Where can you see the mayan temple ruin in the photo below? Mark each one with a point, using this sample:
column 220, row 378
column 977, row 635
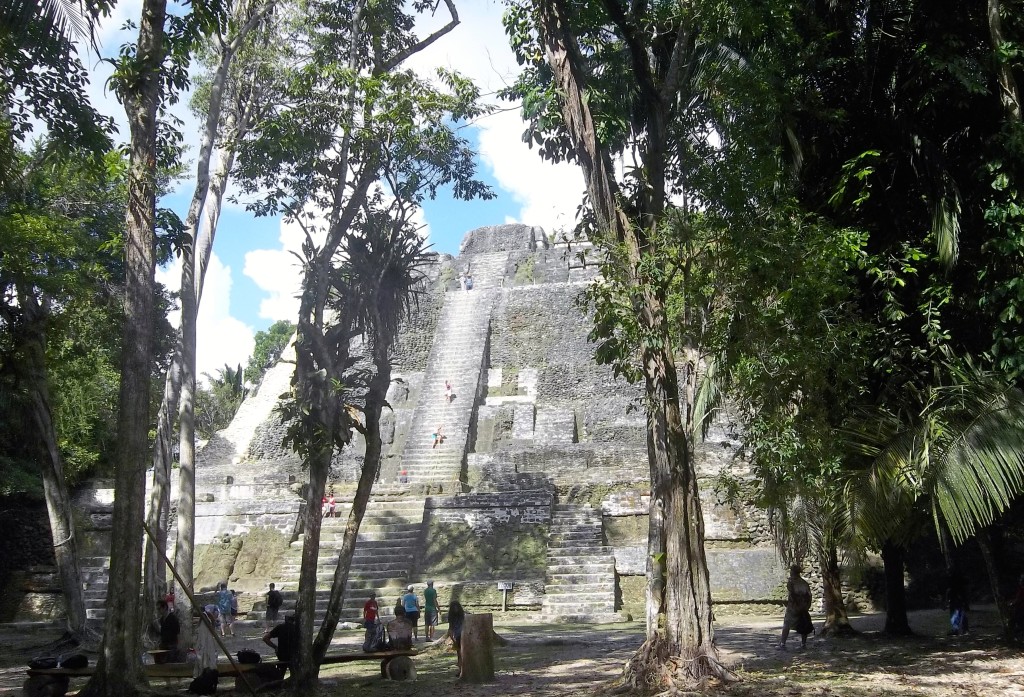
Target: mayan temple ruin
column 536, row 501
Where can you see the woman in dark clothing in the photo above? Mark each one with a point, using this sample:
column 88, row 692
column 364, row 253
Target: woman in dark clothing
column 456, row 616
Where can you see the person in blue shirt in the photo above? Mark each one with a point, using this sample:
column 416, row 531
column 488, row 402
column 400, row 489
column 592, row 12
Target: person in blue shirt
column 224, row 604
column 412, row 611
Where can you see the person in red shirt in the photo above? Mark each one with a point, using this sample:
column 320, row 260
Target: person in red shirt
column 370, row 610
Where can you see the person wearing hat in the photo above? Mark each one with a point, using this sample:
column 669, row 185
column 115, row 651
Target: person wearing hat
column 429, row 610
column 411, row 604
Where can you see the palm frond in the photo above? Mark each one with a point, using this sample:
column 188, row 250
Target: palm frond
column 56, row 20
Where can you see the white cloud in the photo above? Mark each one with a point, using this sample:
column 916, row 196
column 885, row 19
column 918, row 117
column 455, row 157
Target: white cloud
column 221, row 339
column 278, row 273
column 548, row 194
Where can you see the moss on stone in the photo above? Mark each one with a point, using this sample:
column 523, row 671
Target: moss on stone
column 457, row 551
column 524, row 271
column 246, row 561
column 631, row 595
column 593, row 494
column 625, row 531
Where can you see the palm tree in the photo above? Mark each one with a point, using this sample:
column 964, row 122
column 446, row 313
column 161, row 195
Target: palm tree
column 52, row 21
column 954, row 452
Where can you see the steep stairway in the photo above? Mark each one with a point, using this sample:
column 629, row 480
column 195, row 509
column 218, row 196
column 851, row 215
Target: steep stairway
column 386, row 546
column 581, row 570
column 95, row 579
column 219, row 457
column 458, row 355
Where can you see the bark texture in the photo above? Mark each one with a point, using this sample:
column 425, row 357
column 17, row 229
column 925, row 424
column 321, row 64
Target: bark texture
column 1009, row 94
column 477, row 650
column 680, row 639
column 51, row 465
column 119, row 669
column 836, row 619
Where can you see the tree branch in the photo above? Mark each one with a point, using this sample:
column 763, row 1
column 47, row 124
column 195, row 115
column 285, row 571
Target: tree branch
column 399, row 57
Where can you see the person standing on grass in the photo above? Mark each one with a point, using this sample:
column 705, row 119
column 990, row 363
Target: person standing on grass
column 798, row 608
column 429, row 610
column 274, row 602
column 456, row 617
column 224, row 603
column 370, row 611
column 411, row 605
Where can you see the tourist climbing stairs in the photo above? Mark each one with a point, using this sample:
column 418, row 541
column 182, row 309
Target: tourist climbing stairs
column 458, row 355
column 580, row 582
column 388, row 541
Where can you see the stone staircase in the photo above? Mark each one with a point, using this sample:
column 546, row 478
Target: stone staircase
column 219, row 457
column 387, row 544
column 95, row 579
column 580, row 583
column 458, row 355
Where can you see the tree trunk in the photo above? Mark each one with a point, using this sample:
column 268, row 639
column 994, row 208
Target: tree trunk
column 158, row 511
column 233, row 126
column 837, row 622
column 678, row 590
column 1008, row 92
column 477, row 652
column 118, row 671
column 307, row 668
column 375, row 399
column 895, row 591
column 992, row 568
column 184, row 545
column 55, row 490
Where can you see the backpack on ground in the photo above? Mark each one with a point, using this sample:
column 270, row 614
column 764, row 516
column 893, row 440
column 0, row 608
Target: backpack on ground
column 206, row 683
column 274, row 599
column 376, row 639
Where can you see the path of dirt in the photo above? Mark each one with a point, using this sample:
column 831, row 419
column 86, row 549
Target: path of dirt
column 574, row 660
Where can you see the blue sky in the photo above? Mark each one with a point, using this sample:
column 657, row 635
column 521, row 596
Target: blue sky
column 252, row 278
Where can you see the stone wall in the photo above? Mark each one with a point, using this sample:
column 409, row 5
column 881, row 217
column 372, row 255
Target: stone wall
column 417, row 332
column 503, row 238
column 239, row 515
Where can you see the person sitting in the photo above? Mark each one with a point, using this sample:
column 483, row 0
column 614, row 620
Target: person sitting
column 400, row 630
column 287, row 647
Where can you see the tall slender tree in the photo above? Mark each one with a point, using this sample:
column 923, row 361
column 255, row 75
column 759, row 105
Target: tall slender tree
column 654, row 54
column 227, row 108
column 353, row 113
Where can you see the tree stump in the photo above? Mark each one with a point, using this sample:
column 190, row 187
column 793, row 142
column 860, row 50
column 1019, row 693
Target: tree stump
column 45, row 686
column 477, row 653
column 400, row 668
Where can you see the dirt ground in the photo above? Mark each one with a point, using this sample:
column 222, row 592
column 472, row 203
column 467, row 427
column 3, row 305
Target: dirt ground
column 575, row 660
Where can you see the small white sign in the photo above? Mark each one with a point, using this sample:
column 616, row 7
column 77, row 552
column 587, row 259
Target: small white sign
column 504, row 585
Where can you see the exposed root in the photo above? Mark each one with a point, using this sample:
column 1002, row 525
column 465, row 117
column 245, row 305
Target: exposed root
column 838, row 629
column 653, row 669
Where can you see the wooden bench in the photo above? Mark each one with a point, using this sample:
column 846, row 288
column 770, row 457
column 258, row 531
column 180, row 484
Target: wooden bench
column 53, row 682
